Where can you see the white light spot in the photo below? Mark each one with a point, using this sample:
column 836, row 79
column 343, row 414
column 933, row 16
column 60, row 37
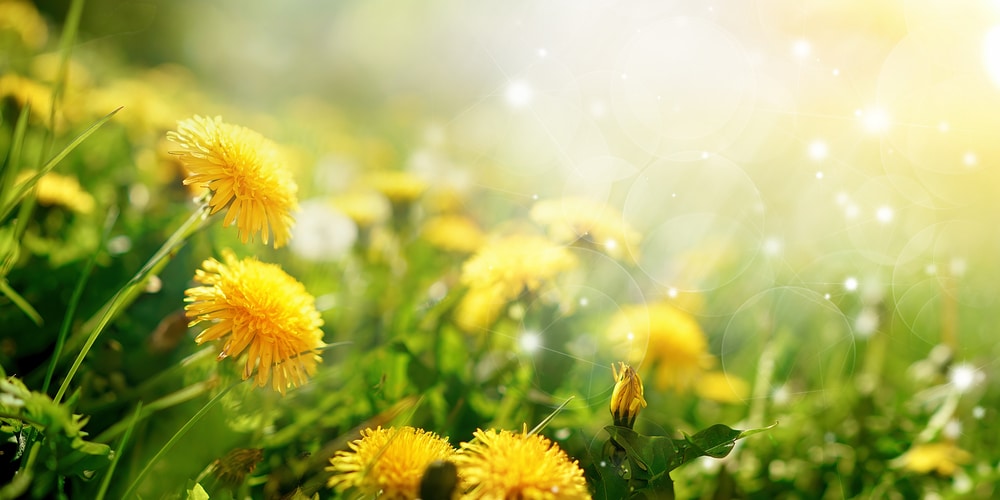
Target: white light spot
column 819, row 174
column 119, row 245
column 153, row 284
column 598, row 109
column 944, row 127
column 673, row 195
column 818, row 150
column 858, row 113
column 836, row 72
column 584, row 301
column 530, row 341
column 964, row 377
column 866, row 323
column 851, row 284
column 772, row 246
column 970, row 159
column 931, row 269
column 630, row 336
column 603, row 463
column 519, row 94
column 875, row 121
column 958, row 267
column 851, row 211
column 842, row 198
column 826, row 296
column 534, row 197
column 978, row 412
column 437, row 291
column 991, row 54
column 884, row 214
column 952, row 429
column 704, row 154
column 781, row 395
column 542, row 52
column 672, row 293
column 562, row 434
column 801, row 49
column 624, row 76
column 610, row 245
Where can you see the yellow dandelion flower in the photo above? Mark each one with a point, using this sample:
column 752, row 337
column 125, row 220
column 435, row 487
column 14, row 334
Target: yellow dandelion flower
column 59, row 190
column 244, row 172
column 627, row 398
column 589, row 222
column 667, row 339
column 25, row 90
column 516, row 264
column 478, row 309
column 388, row 463
column 365, row 208
column 398, row 186
column 453, row 233
column 718, row 386
column 23, row 19
column 943, row 458
column 262, row 310
column 502, row 464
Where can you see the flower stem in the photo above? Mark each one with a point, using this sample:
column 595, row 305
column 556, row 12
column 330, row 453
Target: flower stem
column 118, row 453
column 175, row 438
column 131, row 290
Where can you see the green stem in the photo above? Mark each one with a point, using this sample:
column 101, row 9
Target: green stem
column 109, row 222
column 106, row 482
column 174, row 439
column 70, row 28
column 173, row 399
column 131, row 290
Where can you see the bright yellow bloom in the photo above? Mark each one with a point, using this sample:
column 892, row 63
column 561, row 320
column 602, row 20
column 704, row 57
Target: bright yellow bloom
column 627, row 398
column 582, row 220
column 365, row 208
column 23, row 19
column 665, row 338
column 499, row 465
column 516, row 264
column 718, row 386
column 388, row 463
column 24, row 91
column 453, row 233
column 501, row 271
column 398, row 186
column 262, row 310
column 61, row 190
column 943, row 458
column 244, row 172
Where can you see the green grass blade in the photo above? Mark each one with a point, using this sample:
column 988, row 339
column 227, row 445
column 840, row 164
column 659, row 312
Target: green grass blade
column 174, row 439
column 22, row 190
column 12, row 164
column 109, row 223
column 19, row 301
column 106, row 482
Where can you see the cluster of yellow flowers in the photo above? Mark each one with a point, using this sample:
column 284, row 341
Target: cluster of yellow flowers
column 391, row 463
column 255, row 306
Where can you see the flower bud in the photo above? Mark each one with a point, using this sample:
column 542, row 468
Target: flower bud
column 627, row 398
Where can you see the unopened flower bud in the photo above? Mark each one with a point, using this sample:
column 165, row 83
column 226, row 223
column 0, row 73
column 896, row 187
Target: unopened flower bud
column 627, row 398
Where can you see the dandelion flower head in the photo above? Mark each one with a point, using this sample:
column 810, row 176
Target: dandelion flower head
column 397, row 185
column 453, row 233
column 388, row 463
column 59, row 190
column 665, row 338
column 23, row 19
column 581, row 220
column 503, row 464
column 244, row 172
column 516, row 264
column 943, row 458
column 259, row 308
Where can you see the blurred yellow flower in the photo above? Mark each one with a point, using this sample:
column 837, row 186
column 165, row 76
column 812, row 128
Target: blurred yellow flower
column 23, row 19
column 582, row 220
column 365, row 208
column 398, row 186
column 59, row 190
column 627, row 398
column 244, row 172
column 501, row 271
column 453, row 233
column 516, row 264
column 718, row 386
column 263, row 310
column 387, row 463
column 665, row 339
column 943, row 458
column 502, row 464
column 24, row 91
